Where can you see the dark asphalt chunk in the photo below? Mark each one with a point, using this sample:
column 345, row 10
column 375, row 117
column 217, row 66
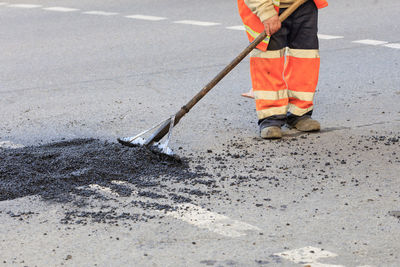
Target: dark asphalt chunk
column 395, row 213
column 60, row 171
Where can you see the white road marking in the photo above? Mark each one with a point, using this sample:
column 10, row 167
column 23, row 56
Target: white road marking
column 120, row 182
column 60, row 9
column 396, row 46
column 101, row 13
column 145, row 17
column 103, row 189
column 370, row 42
column 197, row 23
column 237, row 28
column 308, row 256
column 106, row 190
column 329, row 37
column 214, row 222
column 24, row 6
column 9, row 144
column 190, row 22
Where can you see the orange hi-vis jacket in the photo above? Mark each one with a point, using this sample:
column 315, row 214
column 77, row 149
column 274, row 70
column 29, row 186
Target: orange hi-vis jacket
column 253, row 24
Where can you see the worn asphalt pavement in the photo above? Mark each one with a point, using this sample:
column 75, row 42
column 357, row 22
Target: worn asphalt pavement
column 80, row 74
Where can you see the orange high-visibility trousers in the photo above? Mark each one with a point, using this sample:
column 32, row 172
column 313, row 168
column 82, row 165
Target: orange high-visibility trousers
column 285, row 77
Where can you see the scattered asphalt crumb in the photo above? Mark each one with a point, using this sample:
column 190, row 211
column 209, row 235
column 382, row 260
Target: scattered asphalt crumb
column 262, row 262
column 62, row 172
column 395, row 213
column 208, row 262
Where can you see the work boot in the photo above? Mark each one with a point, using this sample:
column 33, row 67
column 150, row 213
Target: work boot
column 270, row 127
column 271, row 132
column 306, row 124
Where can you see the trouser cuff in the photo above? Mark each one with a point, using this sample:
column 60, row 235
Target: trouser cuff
column 276, row 120
column 293, row 119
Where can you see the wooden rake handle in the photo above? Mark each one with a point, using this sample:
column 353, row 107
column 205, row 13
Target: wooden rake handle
column 163, row 130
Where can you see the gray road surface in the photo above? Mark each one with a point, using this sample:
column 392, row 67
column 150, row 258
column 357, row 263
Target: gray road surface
column 325, row 199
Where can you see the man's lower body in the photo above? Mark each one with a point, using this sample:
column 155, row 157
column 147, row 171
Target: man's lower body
column 285, row 77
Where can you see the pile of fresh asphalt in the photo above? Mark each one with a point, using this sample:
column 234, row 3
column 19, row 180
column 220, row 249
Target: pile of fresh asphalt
column 64, row 172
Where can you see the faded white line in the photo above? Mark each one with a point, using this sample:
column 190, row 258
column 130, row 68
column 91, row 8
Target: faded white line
column 370, row 42
column 24, row 6
column 214, row 222
column 120, row 182
column 3, row 3
column 329, row 37
column 106, row 190
column 197, row 23
column 100, row 13
column 308, row 256
column 396, row 46
column 236, row 28
column 60, row 9
column 103, row 189
column 145, row 17
column 9, row 144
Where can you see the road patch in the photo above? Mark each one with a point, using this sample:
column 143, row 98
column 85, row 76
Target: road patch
column 80, row 170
